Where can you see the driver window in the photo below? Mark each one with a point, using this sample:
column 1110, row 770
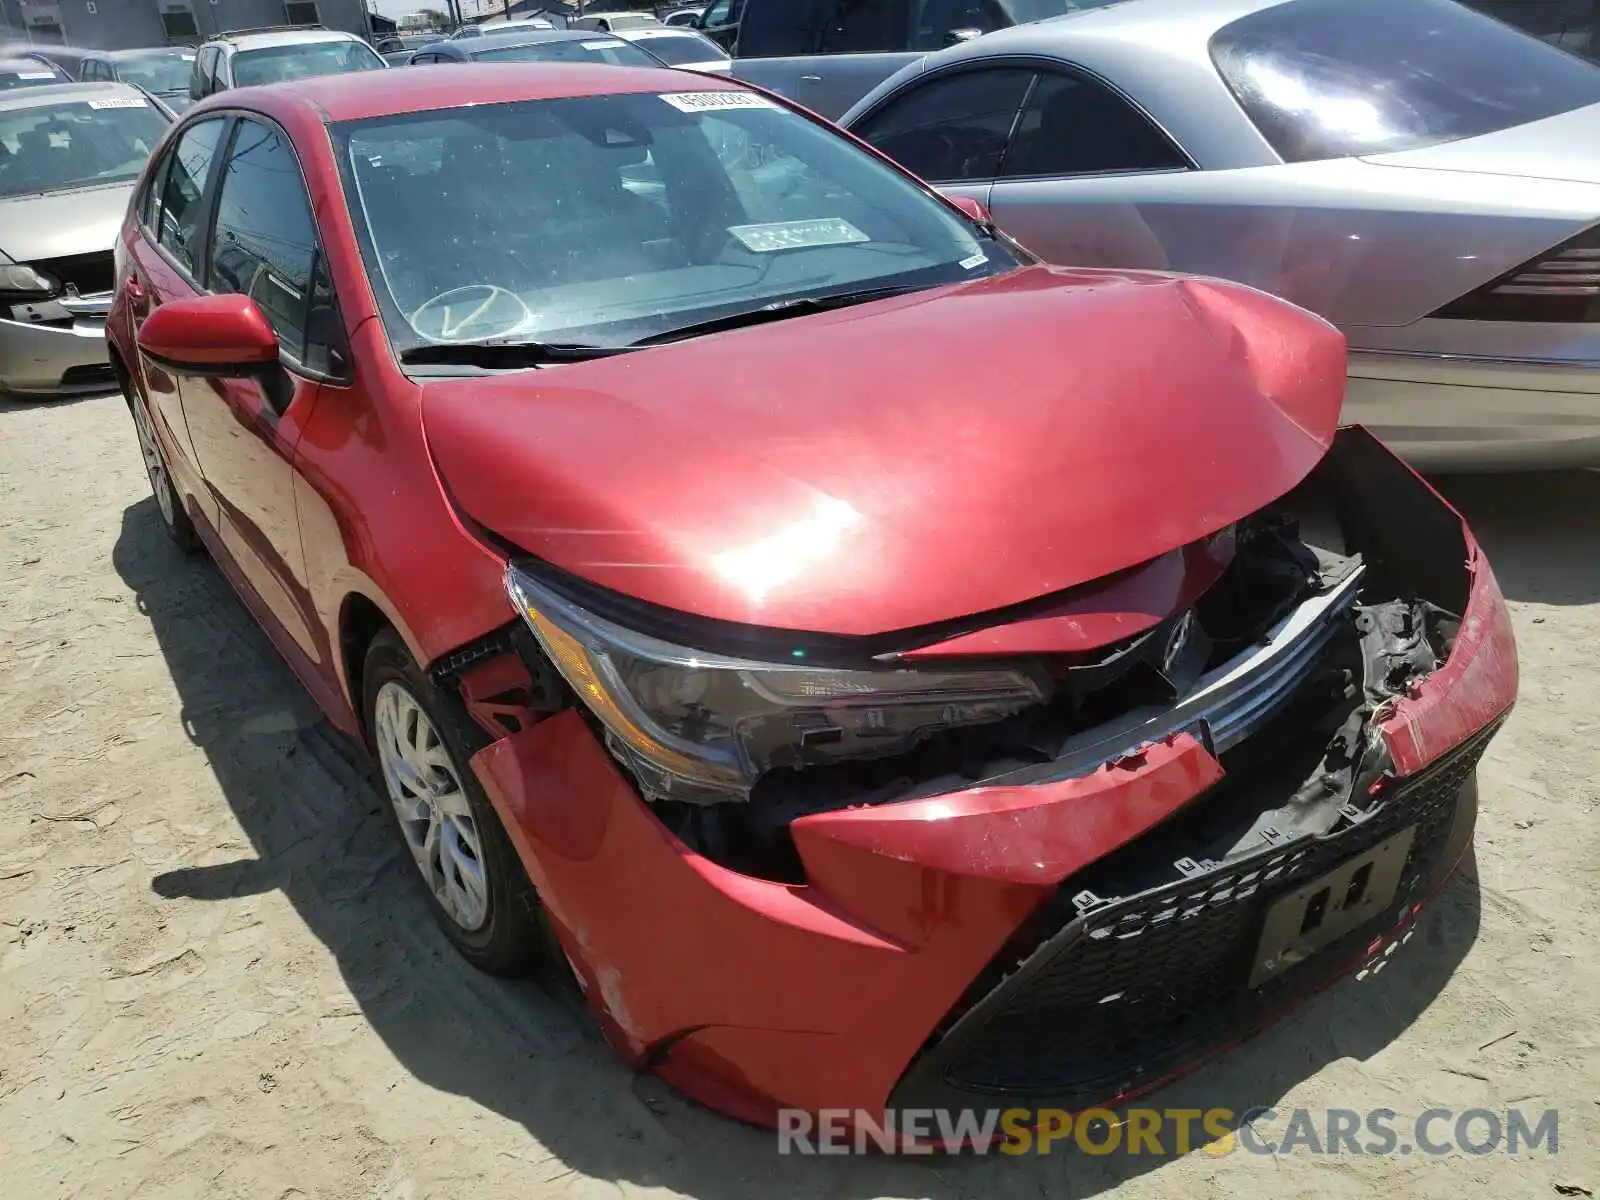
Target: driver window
column 182, row 187
column 952, row 129
column 937, row 20
column 265, row 244
column 864, row 27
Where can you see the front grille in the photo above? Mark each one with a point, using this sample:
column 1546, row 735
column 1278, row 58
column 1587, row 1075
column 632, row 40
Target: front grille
column 91, row 274
column 1127, row 993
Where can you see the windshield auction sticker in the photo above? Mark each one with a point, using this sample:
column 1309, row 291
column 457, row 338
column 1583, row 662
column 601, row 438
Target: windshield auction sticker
column 119, row 102
column 692, row 102
column 797, row 235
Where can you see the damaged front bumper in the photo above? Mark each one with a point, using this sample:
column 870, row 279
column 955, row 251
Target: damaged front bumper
column 1074, row 932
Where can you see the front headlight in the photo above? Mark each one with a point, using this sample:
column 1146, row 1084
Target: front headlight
column 704, row 727
column 18, row 281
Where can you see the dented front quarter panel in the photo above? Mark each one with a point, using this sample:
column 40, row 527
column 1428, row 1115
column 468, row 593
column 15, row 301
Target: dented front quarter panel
column 751, row 994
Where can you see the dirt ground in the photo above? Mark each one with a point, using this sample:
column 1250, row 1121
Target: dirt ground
column 218, row 979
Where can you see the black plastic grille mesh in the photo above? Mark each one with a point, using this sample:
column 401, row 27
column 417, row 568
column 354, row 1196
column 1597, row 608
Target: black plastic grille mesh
column 1125, row 994
column 91, row 274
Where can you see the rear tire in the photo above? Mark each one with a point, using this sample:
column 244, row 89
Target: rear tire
column 173, row 517
column 476, row 886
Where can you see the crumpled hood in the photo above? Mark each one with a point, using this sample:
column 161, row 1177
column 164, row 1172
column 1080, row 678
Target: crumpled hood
column 57, row 224
column 905, row 462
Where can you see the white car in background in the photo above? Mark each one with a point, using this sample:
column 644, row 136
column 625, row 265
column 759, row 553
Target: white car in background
column 678, row 47
column 614, row 22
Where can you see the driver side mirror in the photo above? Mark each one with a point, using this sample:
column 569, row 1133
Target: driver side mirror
column 210, row 337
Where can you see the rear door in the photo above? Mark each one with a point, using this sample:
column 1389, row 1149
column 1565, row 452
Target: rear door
column 263, row 244
column 164, row 265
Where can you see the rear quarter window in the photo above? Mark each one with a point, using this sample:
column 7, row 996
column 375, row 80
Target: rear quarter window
column 1335, row 78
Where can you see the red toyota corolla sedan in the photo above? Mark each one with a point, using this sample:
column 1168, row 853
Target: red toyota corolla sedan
column 892, row 673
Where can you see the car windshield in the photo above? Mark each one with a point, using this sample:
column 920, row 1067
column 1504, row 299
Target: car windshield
column 164, row 72
column 21, row 75
column 603, row 220
column 302, row 60
column 592, row 49
column 74, row 143
column 677, row 49
column 1334, row 78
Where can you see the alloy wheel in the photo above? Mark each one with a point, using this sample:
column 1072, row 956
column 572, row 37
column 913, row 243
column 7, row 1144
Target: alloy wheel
column 154, row 465
column 424, row 786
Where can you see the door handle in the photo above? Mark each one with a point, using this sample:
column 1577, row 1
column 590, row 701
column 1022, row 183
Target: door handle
column 811, row 79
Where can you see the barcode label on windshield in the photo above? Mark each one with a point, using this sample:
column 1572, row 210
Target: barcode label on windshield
column 118, row 102
column 36, row 74
column 797, row 235
column 691, row 102
column 605, row 44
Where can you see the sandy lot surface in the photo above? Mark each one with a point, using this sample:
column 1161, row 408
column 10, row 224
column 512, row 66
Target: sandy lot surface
column 218, row 979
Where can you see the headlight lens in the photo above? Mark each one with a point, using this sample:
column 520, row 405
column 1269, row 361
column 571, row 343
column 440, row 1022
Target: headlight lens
column 703, row 727
column 22, row 282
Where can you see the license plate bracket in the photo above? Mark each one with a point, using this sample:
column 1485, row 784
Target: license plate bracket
column 1303, row 921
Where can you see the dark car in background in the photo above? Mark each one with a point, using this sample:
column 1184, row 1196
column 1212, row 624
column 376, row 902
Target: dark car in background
column 530, row 44
column 397, row 50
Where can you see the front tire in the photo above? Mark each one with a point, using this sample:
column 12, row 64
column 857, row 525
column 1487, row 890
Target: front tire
column 173, row 516
column 476, row 886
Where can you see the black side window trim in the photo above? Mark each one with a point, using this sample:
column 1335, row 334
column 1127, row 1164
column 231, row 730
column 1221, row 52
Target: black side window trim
column 291, row 362
column 1039, row 66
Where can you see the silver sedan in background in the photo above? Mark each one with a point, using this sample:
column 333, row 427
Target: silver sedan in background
column 69, row 157
column 1420, row 174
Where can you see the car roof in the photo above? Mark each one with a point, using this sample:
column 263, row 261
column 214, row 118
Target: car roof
column 526, row 37
column 361, row 95
column 49, row 93
column 1121, row 19
column 139, row 52
column 650, row 31
column 24, row 64
column 282, row 37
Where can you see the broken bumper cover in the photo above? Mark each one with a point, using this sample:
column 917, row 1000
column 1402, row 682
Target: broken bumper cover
column 58, row 358
column 890, row 976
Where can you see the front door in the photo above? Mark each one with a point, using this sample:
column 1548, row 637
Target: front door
column 262, row 244
column 165, row 265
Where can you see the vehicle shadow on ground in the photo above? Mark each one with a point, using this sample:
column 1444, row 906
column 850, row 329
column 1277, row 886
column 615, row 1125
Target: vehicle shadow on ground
column 1541, row 531
column 318, row 834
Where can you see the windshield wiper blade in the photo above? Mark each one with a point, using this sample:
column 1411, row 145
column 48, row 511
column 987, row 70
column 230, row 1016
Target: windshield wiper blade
column 506, row 355
column 779, row 310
